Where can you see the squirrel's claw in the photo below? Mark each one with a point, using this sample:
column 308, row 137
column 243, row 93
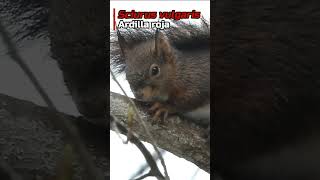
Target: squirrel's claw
column 154, row 107
column 158, row 113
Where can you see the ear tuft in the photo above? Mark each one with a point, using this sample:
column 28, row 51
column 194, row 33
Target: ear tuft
column 163, row 46
column 122, row 43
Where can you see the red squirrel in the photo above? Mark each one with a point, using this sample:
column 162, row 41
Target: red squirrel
column 171, row 69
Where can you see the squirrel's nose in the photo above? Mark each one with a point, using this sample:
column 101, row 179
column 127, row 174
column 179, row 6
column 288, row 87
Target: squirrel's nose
column 138, row 94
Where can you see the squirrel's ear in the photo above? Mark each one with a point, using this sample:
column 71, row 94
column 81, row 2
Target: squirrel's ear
column 162, row 45
column 122, row 43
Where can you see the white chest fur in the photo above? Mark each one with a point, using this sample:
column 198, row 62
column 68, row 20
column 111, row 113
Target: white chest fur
column 202, row 114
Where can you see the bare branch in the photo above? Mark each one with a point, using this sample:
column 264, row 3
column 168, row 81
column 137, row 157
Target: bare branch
column 144, row 176
column 116, row 129
column 17, row 58
column 177, row 135
column 151, row 162
column 144, row 167
column 195, row 173
column 32, row 142
column 70, row 130
column 153, row 142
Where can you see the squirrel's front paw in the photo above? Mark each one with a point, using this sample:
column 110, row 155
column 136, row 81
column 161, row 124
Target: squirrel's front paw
column 159, row 109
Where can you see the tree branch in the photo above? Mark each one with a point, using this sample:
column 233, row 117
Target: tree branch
column 147, row 155
column 32, row 143
column 144, row 167
column 65, row 125
column 178, row 136
column 146, row 130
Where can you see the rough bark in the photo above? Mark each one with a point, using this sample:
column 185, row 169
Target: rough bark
column 179, row 136
column 31, row 143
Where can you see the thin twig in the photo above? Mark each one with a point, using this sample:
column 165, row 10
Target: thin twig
column 145, row 166
column 144, row 176
column 151, row 162
column 66, row 126
column 195, row 174
column 116, row 129
column 153, row 142
column 16, row 57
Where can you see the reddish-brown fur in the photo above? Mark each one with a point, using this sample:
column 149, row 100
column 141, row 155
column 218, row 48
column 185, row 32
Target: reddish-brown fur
column 184, row 80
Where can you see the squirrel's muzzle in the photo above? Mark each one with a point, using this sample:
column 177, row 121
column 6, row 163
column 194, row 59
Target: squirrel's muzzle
column 144, row 94
column 138, row 94
column 149, row 94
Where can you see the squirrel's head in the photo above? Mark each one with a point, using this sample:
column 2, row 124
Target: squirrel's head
column 150, row 67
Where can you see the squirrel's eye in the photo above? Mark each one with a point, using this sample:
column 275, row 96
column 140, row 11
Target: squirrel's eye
column 154, row 70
